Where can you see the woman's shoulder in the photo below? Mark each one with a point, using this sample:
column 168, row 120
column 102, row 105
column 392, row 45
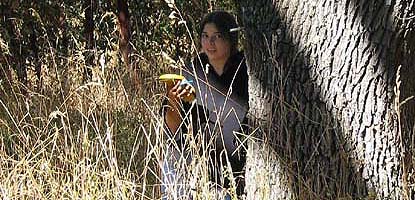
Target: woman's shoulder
column 238, row 59
column 237, row 63
column 198, row 61
column 196, row 65
column 239, row 55
column 201, row 59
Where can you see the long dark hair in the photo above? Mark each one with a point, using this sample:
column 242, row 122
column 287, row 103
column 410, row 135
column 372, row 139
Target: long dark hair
column 224, row 22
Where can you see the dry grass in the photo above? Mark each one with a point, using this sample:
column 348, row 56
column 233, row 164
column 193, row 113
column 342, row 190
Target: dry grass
column 74, row 140
column 101, row 139
column 67, row 138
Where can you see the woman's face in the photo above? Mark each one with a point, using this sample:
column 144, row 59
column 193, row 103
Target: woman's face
column 216, row 47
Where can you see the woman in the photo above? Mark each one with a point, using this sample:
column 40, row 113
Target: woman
column 220, row 83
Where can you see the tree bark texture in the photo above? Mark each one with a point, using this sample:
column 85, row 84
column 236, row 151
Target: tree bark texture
column 322, row 82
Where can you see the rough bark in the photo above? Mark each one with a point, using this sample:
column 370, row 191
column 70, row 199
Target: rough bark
column 404, row 57
column 322, row 78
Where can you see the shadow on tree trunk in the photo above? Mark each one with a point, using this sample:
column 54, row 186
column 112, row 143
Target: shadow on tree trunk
column 322, row 75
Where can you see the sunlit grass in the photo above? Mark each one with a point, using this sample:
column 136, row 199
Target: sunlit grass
column 64, row 137
column 77, row 139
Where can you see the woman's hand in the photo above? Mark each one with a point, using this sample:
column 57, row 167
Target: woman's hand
column 181, row 90
column 176, row 91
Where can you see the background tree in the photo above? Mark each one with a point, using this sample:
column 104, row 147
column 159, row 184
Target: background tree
column 325, row 92
column 89, row 25
column 124, row 29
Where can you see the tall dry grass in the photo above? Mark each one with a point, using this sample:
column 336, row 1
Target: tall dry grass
column 77, row 140
column 67, row 138
column 73, row 139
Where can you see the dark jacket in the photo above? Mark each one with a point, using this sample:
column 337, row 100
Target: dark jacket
column 229, row 89
column 229, row 92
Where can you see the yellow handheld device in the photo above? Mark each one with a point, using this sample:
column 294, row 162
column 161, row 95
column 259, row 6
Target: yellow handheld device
column 170, row 77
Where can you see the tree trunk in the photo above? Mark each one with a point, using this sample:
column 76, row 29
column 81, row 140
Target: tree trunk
column 124, row 29
column 89, row 7
column 322, row 76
